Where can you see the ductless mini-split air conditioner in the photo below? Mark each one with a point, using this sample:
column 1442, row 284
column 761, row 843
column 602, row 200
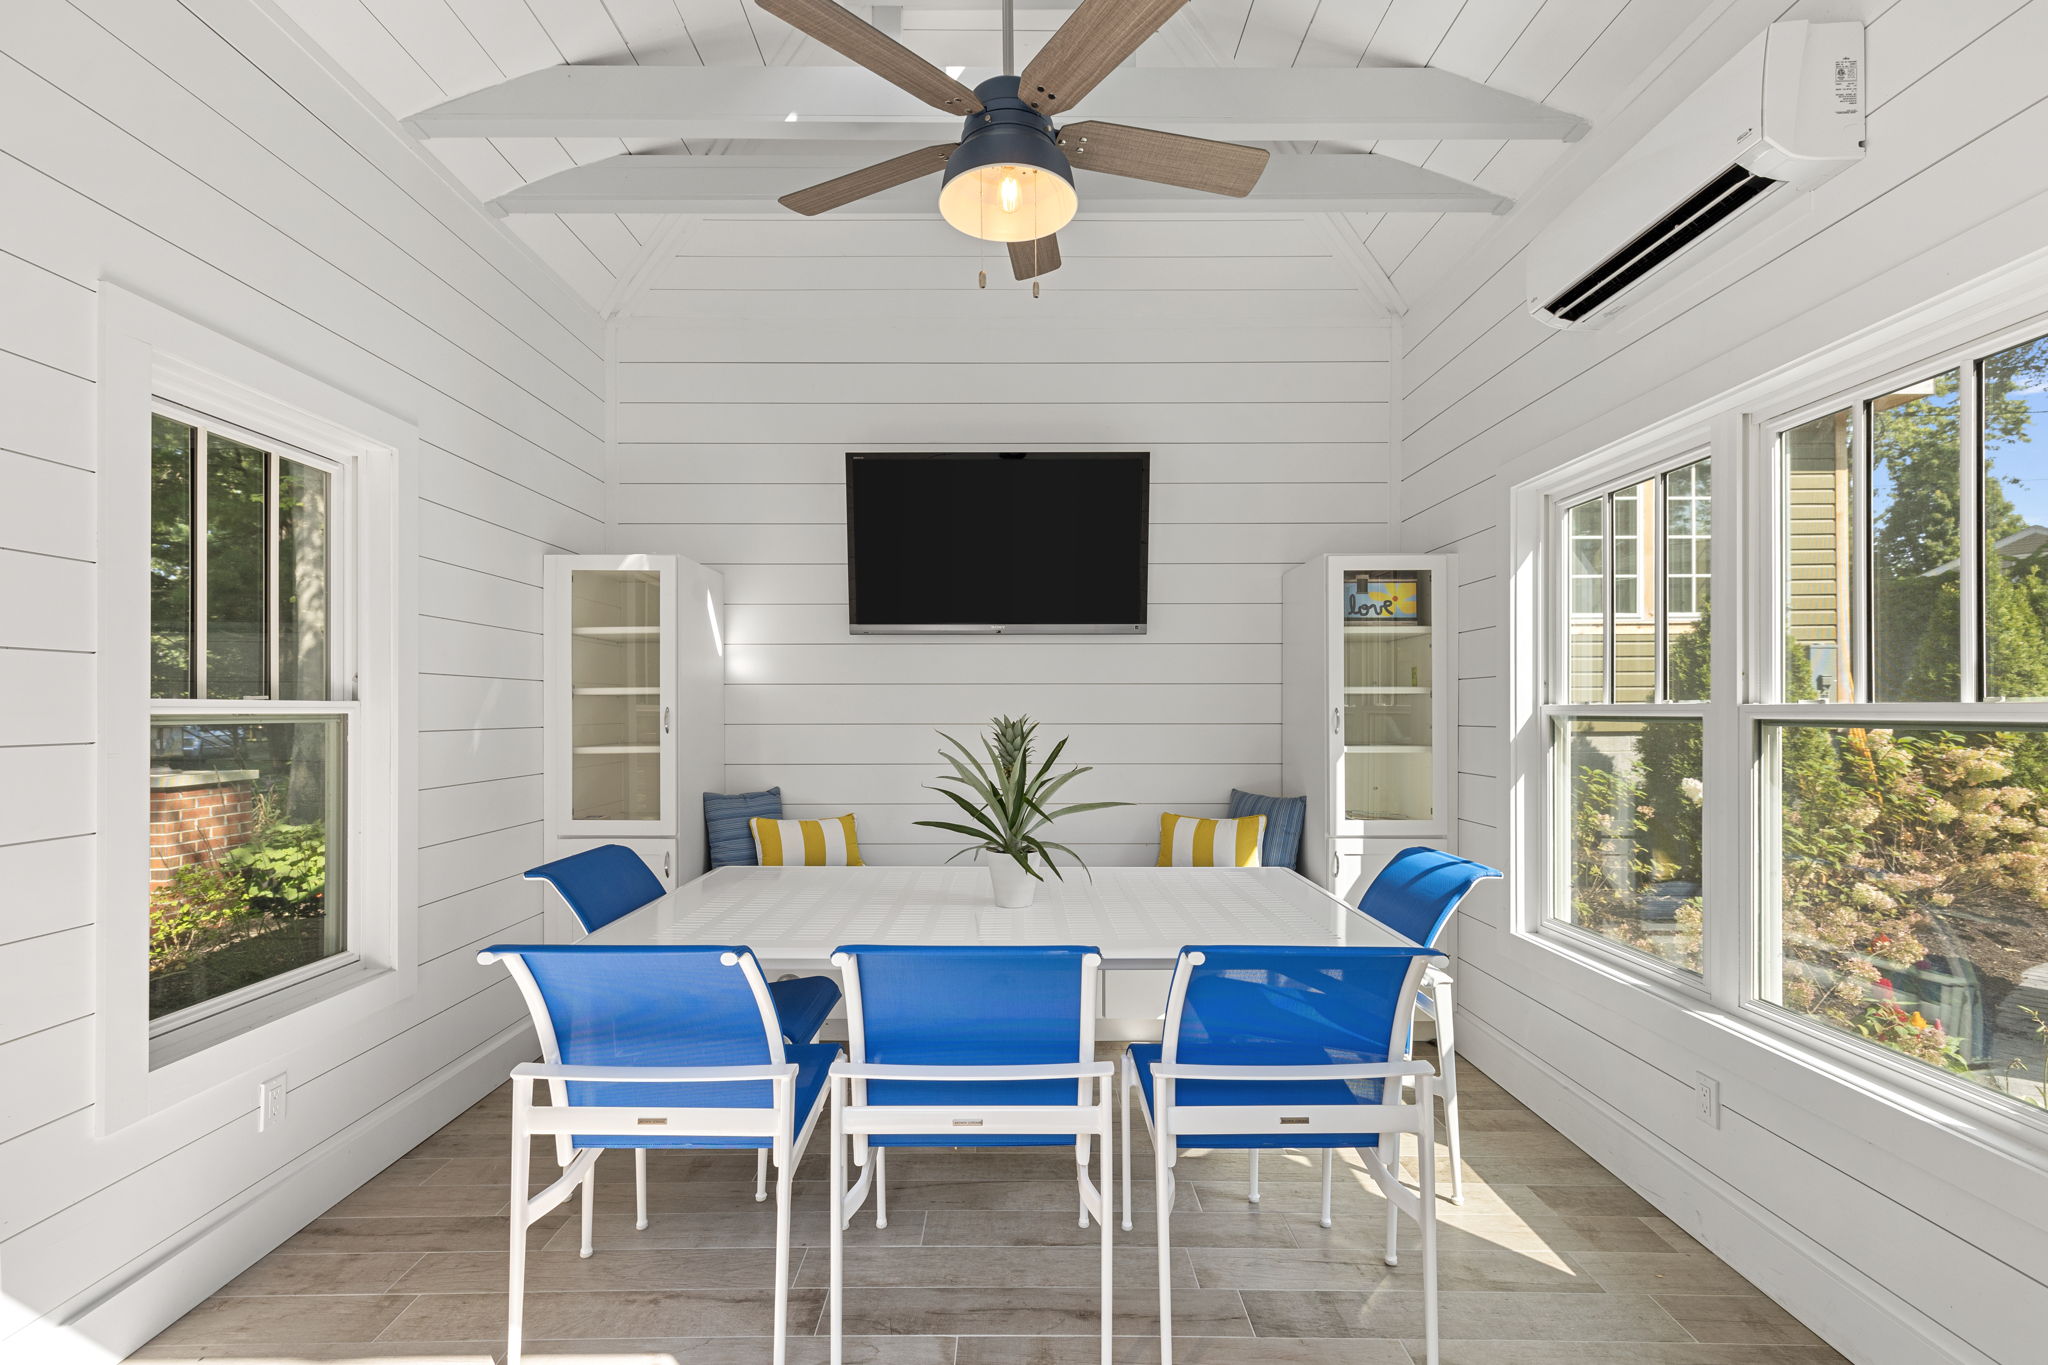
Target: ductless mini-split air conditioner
column 1784, row 116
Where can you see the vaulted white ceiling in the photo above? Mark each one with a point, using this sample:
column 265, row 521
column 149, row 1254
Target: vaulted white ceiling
column 1580, row 57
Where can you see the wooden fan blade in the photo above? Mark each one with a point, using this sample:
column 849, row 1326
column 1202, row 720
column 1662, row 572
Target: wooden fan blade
column 1042, row 257
column 850, row 36
column 883, row 175
column 1194, row 163
column 1093, row 42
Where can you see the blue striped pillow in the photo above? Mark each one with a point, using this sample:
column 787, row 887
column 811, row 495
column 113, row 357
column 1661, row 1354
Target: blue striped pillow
column 1285, row 816
column 727, row 817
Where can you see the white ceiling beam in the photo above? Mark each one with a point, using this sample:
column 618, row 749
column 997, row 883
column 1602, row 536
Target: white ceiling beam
column 1292, row 183
column 1243, row 104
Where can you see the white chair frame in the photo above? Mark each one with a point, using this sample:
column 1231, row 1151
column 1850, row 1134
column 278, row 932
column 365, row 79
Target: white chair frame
column 1434, row 1000
column 1391, row 1120
column 854, row 1120
column 788, row 1132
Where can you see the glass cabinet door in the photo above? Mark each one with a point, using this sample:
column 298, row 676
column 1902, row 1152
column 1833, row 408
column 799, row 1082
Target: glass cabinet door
column 617, row 713
column 1387, row 771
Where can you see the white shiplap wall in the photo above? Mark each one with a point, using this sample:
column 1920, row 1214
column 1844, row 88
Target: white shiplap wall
column 196, row 154
column 1899, row 1237
column 1242, row 354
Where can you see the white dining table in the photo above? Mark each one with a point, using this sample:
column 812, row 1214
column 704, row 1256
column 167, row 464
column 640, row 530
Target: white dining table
column 1139, row 917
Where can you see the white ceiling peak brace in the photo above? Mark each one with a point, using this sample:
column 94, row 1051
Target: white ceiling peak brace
column 1292, row 184
column 1241, row 104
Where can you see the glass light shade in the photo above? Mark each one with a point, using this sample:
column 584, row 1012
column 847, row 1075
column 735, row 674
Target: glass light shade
column 1006, row 202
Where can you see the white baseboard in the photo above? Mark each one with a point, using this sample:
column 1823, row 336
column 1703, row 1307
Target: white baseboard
column 1857, row 1316
column 117, row 1315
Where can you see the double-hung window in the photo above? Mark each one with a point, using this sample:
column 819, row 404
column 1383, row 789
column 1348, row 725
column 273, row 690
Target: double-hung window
column 1904, row 848
column 1845, row 841
column 1625, row 713
column 250, row 712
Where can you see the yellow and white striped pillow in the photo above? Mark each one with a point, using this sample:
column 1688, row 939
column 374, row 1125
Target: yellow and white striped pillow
column 806, row 843
column 1189, row 841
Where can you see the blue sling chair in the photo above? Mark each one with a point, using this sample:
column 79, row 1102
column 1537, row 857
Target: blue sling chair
column 967, row 1047
column 1290, row 1047
column 654, row 1047
column 610, row 881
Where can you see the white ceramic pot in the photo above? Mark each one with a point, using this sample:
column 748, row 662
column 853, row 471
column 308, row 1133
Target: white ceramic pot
column 1014, row 887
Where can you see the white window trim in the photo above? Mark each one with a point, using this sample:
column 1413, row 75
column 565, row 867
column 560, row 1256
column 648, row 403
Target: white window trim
column 150, row 355
column 1829, row 1073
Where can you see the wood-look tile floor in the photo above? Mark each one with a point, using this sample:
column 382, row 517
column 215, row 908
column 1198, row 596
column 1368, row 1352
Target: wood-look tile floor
column 1550, row 1261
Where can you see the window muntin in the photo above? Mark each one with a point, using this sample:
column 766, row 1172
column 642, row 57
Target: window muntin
column 1910, row 867
column 249, row 717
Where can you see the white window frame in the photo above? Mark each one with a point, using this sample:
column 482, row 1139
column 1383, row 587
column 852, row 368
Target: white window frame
column 1739, row 427
column 341, row 702
column 150, row 357
column 1554, row 588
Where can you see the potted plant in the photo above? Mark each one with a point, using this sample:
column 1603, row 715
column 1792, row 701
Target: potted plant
column 1009, row 804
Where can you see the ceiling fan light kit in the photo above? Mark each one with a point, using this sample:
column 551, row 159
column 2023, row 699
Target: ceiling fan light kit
column 1007, row 181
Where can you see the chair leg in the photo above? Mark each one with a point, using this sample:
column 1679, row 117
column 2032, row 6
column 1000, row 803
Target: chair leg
column 1128, row 1083
column 1108, row 1243
column 1447, row 1085
column 1393, row 1160
column 1253, row 1196
column 880, row 1156
column 761, row 1177
column 589, row 1206
column 640, row 1188
column 515, row 1308
column 1426, row 1179
column 837, row 1289
column 1162, row 1198
column 1329, row 1166
column 782, row 1192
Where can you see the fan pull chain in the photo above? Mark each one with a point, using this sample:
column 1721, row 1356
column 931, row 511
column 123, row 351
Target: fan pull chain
column 1034, row 289
column 984, row 279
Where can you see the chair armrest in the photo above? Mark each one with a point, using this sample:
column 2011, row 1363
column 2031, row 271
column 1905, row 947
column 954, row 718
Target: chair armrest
column 664, row 1075
column 1337, row 1072
column 1052, row 1071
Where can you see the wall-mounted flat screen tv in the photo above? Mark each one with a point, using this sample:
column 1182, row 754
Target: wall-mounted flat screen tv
column 987, row 544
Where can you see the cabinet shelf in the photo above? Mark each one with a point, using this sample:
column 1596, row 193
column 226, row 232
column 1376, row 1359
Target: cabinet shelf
column 616, row 691
column 617, row 749
column 1385, row 632
column 1388, row 691
column 1386, row 748
column 619, row 632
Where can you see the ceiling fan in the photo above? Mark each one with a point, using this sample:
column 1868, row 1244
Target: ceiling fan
column 1010, row 177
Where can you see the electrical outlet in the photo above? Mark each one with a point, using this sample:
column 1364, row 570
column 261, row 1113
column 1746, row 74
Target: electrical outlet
column 1706, row 1101
column 273, row 1098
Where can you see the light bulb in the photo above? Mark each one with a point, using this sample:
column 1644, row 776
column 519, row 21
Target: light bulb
column 1008, row 201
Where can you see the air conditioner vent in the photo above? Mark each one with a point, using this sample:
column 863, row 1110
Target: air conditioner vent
column 1708, row 208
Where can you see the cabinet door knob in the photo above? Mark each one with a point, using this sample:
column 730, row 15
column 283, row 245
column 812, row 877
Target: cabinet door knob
column 666, row 870
column 664, row 720
column 1336, row 720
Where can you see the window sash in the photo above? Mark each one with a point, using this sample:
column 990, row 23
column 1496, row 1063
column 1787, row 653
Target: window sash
column 341, row 670
column 1646, row 601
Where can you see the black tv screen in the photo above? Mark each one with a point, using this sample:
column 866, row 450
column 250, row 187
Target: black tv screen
column 991, row 544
